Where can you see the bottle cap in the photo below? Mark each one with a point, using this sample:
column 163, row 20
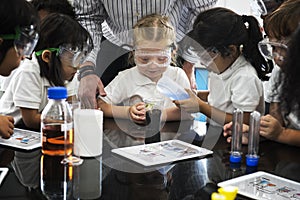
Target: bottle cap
column 229, row 192
column 252, row 160
column 217, row 196
column 57, row 93
column 235, row 158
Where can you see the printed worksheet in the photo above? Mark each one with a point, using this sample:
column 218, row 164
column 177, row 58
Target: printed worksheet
column 263, row 185
column 162, row 152
column 23, row 139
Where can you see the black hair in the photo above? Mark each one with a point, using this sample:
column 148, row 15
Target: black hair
column 290, row 95
column 58, row 29
column 55, row 6
column 13, row 14
column 218, row 28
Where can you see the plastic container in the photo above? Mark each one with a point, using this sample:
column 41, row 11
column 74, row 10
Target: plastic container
column 171, row 89
column 57, row 124
column 253, row 139
column 236, row 142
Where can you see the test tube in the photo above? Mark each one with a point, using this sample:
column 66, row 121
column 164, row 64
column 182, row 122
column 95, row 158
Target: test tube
column 253, row 139
column 236, row 142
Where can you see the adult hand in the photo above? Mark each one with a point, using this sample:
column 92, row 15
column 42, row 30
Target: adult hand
column 190, row 105
column 89, row 87
column 228, row 132
column 190, row 72
column 137, row 113
column 6, row 126
column 270, row 127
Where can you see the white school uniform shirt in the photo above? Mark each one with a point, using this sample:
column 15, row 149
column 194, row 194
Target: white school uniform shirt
column 273, row 90
column 237, row 87
column 131, row 83
column 28, row 89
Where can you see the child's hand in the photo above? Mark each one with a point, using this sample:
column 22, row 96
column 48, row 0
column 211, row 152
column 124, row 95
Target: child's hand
column 137, row 113
column 270, row 127
column 190, row 105
column 6, row 126
column 228, row 132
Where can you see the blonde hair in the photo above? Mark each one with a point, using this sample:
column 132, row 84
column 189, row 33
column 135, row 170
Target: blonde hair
column 154, row 27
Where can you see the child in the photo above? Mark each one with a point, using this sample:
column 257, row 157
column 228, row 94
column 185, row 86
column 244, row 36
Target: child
column 154, row 39
column 282, row 124
column 229, row 51
column 279, row 26
column 18, row 37
column 62, row 46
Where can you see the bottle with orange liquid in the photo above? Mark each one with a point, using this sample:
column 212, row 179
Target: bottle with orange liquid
column 57, row 124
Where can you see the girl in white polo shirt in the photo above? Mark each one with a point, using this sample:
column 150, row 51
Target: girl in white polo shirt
column 154, row 40
column 227, row 45
column 62, row 45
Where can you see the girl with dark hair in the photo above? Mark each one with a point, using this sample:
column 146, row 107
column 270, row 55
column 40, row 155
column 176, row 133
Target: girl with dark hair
column 226, row 44
column 18, row 37
column 62, row 46
column 282, row 45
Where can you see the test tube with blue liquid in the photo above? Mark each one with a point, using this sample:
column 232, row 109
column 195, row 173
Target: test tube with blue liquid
column 236, row 142
column 253, row 139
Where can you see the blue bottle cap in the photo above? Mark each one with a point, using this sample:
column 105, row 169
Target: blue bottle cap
column 252, row 160
column 235, row 158
column 57, row 93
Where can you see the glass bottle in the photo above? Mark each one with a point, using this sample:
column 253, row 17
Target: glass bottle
column 57, row 124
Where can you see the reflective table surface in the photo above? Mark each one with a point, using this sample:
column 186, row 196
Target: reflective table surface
column 35, row 176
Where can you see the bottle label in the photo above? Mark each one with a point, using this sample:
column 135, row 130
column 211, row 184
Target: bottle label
column 67, row 126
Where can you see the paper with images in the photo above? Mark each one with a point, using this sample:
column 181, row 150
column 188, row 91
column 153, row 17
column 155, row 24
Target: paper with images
column 262, row 185
column 23, row 139
column 161, row 152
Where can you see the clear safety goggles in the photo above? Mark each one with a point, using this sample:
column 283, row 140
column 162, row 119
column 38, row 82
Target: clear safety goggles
column 145, row 58
column 271, row 50
column 72, row 56
column 25, row 40
column 207, row 56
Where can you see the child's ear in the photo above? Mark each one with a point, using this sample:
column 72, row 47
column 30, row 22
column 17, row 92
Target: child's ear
column 46, row 56
column 232, row 49
column 1, row 40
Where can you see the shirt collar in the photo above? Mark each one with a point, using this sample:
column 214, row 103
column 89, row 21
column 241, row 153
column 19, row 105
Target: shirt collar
column 238, row 63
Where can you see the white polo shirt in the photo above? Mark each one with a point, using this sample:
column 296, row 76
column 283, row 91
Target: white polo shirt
column 131, row 83
column 28, row 89
column 237, row 87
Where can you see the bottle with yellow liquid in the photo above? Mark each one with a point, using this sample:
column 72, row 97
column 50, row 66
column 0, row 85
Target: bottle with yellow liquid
column 57, row 124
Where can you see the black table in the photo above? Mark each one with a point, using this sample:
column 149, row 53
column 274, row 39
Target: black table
column 32, row 175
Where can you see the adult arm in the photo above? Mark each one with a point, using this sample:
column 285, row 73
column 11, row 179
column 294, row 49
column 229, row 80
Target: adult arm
column 91, row 14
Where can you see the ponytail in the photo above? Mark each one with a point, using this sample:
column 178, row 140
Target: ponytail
column 250, row 47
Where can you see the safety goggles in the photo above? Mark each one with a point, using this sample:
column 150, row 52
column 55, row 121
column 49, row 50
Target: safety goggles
column 145, row 58
column 207, row 56
column 72, row 56
column 25, row 40
column 271, row 50
column 258, row 7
